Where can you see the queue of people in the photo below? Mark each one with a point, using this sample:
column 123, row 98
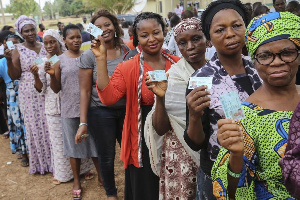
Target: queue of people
column 176, row 142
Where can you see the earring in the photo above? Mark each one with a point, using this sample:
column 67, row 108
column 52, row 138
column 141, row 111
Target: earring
column 115, row 34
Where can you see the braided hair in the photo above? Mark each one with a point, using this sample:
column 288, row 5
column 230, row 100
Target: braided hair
column 216, row 6
column 114, row 20
column 143, row 16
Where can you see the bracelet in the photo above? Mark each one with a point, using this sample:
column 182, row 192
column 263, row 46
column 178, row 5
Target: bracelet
column 83, row 124
column 232, row 174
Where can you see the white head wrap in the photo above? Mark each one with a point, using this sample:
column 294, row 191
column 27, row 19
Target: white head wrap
column 56, row 35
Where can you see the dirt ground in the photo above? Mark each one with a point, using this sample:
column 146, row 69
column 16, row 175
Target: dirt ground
column 17, row 184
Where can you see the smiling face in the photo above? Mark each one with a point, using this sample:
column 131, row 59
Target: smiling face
column 279, row 5
column 73, row 39
column 192, row 45
column 52, row 46
column 278, row 73
column 227, row 32
column 150, row 36
column 29, row 33
column 106, row 25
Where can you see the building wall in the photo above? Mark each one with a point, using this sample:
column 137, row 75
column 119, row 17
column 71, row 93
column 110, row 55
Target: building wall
column 170, row 5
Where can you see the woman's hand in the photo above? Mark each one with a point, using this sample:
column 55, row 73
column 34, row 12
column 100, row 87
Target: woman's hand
column 98, row 48
column 49, row 69
column 197, row 100
column 35, row 71
column 81, row 134
column 230, row 136
column 159, row 88
column 8, row 54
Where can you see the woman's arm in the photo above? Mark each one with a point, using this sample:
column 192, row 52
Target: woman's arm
column 55, row 74
column 37, row 81
column 231, row 138
column 197, row 100
column 85, row 83
column 160, row 118
column 13, row 63
column 100, row 53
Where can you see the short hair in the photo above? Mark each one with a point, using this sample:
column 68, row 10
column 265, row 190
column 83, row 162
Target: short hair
column 174, row 20
column 40, row 25
column 293, row 5
column 187, row 14
column 256, row 4
column 59, row 23
column 261, row 10
column 143, row 16
column 114, row 20
column 80, row 26
column 213, row 4
column 6, row 28
column 276, row 0
column 70, row 27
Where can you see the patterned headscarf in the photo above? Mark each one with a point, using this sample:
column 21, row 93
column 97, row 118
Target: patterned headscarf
column 56, row 35
column 271, row 27
column 22, row 21
column 187, row 24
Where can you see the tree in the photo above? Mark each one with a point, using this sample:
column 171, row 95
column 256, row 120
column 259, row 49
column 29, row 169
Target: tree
column 114, row 6
column 22, row 7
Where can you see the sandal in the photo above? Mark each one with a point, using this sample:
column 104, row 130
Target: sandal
column 19, row 155
column 76, row 194
column 89, row 176
column 25, row 162
column 55, row 181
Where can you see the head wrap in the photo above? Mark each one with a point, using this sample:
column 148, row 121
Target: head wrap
column 271, row 27
column 56, row 35
column 187, row 24
column 213, row 11
column 22, row 21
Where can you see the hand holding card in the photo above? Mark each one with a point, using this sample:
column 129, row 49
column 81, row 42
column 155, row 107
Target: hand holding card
column 94, row 30
column 195, row 82
column 10, row 45
column 157, row 82
column 232, row 106
column 38, row 61
column 54, row 59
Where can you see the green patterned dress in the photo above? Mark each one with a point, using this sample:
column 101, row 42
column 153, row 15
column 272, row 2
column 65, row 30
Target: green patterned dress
column 265, row 137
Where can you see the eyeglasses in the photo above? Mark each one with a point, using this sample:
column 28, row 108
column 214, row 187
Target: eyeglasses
column 286, row 55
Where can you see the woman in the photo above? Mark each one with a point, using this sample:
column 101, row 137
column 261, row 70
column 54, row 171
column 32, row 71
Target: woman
column 66, row 80
column 166, row 122
column 17, row 133
column 104, row 122
column 54, row 45
column 247, row 165
column 129, row 79
column 223, row 23
column 32, row 104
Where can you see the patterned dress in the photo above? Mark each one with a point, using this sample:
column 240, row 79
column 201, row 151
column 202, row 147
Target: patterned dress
column 61, row 164
column 17, row 133
column 33, row 106
column 265, row 137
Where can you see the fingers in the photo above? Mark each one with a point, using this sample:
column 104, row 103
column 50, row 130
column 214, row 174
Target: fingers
column 229, row 133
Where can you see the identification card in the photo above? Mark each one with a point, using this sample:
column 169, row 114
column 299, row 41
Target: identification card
column 38, row 61
column 54, row 59
column 157, row 75
column 10, row 45
column 94, row 30
column 195, row 82
column 232, row 106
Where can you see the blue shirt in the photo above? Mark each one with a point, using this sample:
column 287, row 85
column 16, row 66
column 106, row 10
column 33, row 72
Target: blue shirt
column 3, row 70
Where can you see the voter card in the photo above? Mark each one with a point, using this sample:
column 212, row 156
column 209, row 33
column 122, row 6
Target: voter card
column 157, row 75
column 38, row 61
column 94, row 30
column 232, row 106
column 195, row 82
column 10, row 45
column 53, row 59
